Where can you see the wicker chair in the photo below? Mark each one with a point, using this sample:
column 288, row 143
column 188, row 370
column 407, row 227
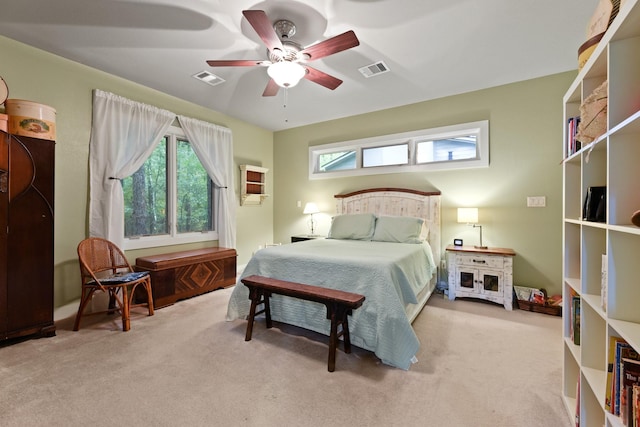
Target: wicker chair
column 103, row 267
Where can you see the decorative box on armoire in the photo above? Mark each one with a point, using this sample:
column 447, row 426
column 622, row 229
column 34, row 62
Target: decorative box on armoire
column 26, row 236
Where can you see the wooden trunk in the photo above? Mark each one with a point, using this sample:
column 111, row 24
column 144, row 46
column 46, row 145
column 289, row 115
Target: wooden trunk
column 180, row 275
column 26, row 236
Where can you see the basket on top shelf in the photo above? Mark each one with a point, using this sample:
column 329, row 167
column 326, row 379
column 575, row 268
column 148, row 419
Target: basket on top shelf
column 606, row 11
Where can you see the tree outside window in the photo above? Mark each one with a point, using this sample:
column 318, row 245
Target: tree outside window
column 170, row 194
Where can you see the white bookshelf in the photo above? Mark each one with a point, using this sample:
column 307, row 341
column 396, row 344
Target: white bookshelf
column 613, row 160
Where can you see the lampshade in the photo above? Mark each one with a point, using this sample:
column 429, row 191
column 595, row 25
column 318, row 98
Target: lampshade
column 285, row 73
column 468, row 215
column 310, row 208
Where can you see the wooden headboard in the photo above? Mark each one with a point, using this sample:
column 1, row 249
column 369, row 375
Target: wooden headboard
column 397, row 202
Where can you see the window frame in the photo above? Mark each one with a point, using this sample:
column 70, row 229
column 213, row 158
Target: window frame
column 173, row 134
column 478, row 128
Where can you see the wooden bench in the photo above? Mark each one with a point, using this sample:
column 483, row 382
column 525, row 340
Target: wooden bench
column 339, row 305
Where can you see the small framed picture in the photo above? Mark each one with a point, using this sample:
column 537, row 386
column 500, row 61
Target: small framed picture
column 457, row 242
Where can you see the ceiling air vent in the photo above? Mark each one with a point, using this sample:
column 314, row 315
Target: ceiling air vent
column 209, row 78
column 374, row 69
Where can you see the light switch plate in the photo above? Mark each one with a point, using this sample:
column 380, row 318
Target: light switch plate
column 536, row 201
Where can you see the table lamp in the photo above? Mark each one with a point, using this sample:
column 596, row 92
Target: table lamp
column 310, row 209
column 470, row 217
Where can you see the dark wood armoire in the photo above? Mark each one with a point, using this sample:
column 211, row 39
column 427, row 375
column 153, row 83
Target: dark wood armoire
column 26, row 236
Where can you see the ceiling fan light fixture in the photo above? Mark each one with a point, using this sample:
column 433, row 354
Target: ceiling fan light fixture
column 286, row 74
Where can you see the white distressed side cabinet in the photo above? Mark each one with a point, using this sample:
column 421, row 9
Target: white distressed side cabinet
column 481, row 273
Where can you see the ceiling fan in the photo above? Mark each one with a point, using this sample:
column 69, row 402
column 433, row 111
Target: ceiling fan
column 287, row 59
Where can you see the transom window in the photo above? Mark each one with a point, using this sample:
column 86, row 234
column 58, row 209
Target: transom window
column 449, row 147
column 389, row 155
column 170, row 199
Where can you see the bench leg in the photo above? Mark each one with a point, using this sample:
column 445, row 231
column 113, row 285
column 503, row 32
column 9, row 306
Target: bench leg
column 267, row 308
column 254, row 295
column 333, row 341
column 345, row 335
column 257, row 297
column 338, row 316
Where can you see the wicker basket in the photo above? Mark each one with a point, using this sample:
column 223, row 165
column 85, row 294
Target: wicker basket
column 593, row 115
column 554, row 310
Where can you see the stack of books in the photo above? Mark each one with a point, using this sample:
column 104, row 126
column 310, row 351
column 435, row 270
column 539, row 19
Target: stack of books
column 573, row 145
column 623, row 382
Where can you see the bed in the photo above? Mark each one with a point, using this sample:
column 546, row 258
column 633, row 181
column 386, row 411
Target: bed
column 395, row 267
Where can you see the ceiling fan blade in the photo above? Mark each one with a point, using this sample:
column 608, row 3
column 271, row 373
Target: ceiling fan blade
column 271, row 89
column 262, row 25
column 235, row 63
column 322, row 78
column 330, row 46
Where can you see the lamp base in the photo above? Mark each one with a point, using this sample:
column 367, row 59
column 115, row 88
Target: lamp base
column 480, row 247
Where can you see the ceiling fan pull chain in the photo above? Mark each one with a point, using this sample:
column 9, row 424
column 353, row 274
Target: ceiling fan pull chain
column 285, row 95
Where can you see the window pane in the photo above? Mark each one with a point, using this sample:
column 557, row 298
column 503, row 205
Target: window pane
column 444, row 150
column 145, row 196
column 340, row 160
column 194, row 192
column 385, row 156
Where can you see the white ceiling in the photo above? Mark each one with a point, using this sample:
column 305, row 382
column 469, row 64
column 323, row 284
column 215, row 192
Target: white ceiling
column 434, row 48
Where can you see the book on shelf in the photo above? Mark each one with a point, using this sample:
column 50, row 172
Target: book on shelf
column 630, row 376
column 635, row 413
column 611, row 355
column 573, row 145
column 575, row 319
column 572, row 295
column 603, row 283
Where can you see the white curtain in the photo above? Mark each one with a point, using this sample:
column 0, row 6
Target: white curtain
column 214, row 147
column 124, row 133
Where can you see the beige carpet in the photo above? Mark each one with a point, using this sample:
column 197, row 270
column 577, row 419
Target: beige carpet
column 479, row 365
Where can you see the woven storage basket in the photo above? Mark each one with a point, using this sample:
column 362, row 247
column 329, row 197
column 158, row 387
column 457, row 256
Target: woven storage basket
column 593, row 115
column 554, row 310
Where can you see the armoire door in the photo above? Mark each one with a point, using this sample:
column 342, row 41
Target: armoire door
column 29, row 245
column 4, row 215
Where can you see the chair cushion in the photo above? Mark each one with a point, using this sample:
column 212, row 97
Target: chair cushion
column 123, row 278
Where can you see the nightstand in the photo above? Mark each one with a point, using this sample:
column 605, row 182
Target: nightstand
column 481, row 273
column 303, row 237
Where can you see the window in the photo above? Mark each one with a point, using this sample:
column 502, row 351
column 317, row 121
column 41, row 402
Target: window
column 170, row 199
column 339, row 160
column 448, row 147
column 385, row 156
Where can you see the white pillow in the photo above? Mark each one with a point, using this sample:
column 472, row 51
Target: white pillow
column 400, row 229
column 352, row 227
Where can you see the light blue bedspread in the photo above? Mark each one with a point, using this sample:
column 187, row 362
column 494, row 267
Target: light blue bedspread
column 389, row 275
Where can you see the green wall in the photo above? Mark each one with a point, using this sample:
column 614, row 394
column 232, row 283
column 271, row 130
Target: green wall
column 525, row 152
column 65, row 85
